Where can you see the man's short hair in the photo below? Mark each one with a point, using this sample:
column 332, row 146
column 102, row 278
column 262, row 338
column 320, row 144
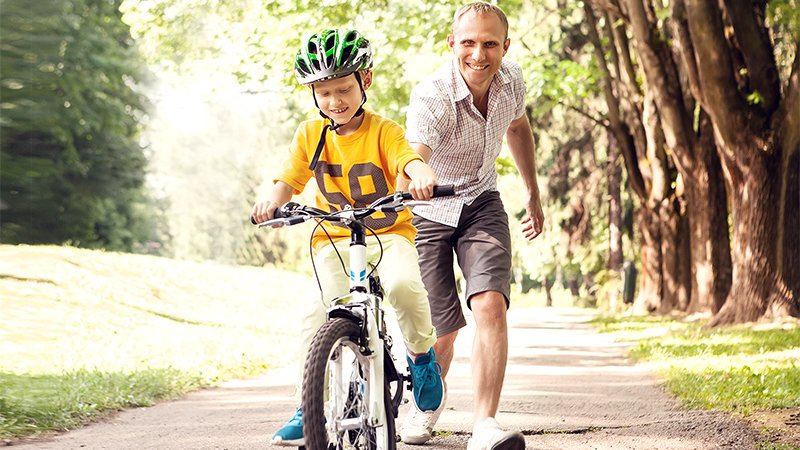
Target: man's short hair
column 480, row 8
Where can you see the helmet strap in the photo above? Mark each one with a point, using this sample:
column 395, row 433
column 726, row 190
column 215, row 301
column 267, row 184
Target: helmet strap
column 363, row 95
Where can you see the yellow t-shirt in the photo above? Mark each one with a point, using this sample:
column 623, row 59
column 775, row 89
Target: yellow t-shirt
column 354, row 170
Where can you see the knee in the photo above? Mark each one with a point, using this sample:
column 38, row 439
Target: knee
column 405, row 290
column 489, row 308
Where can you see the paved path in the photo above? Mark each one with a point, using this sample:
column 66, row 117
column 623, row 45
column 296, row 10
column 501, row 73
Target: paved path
column 567, row 387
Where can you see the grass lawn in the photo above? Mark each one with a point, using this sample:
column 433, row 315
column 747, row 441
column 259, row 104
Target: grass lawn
column 739, row 368
column 83, row 333
column 752, row 370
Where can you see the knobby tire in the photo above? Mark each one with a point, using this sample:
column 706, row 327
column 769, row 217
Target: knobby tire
column 334, row 335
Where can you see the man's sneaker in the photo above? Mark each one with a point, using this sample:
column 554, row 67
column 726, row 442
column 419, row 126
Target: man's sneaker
column 291, row 434
column 426, row 379
column 487, row 435
column 418, row 425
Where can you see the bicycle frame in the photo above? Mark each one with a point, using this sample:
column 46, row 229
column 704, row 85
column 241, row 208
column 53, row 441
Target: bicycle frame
column 365, row 307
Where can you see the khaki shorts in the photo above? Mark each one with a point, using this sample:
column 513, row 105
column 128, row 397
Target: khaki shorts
column 482, row 244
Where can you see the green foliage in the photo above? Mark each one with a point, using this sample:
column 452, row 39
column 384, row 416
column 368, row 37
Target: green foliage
column 72, row 167
column 785, row 15
column 739, row 368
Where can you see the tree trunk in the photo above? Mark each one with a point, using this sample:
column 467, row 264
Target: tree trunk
column 574, row 287
column 548, row 286
column 651, row 281
column 753, row 156
column 754, row 249
column 684, row 262
column 614, row 173
column 708, row 222
column 788, row 234
column 676, row 289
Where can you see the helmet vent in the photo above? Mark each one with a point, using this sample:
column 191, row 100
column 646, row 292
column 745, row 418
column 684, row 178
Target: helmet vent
column 347, row 53
column 303, row 66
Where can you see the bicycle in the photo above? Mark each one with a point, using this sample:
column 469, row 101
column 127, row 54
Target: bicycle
column 352, row 388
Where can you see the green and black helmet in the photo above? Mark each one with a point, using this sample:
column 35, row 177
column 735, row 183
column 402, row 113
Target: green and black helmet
column 332, row 54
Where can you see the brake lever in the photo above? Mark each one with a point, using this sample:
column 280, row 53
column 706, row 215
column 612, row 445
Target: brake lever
column 394, row 206
column 411, row 204
column 273, row 223
column 283, row 222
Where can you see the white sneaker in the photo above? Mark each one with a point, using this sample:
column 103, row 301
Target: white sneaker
column 487, row 435
column 418, row 425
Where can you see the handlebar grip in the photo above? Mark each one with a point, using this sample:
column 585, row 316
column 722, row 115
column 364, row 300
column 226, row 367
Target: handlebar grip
column 444, row 190
column 279, row 213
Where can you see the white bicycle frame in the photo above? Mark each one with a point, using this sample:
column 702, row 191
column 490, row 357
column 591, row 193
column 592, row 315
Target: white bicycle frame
column 369, row 306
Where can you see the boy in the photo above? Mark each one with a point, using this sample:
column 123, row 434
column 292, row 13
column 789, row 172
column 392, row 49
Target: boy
column 355, row 163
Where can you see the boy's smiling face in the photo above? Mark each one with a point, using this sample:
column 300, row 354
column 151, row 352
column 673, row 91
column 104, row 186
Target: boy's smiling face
column 340, row 98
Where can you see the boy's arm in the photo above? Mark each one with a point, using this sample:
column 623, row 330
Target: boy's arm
column 422, row 150
column 281, row 193
column 423, row 179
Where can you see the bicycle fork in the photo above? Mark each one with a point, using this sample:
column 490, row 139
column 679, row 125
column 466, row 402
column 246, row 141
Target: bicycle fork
column 359, row 284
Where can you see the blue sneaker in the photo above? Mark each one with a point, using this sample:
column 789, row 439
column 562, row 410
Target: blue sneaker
column 291, row 434
column 426, row 380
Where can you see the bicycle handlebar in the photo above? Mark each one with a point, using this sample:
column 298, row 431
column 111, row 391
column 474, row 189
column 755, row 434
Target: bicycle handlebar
column 293, row 213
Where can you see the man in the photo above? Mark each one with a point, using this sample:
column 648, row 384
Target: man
column 457, row 120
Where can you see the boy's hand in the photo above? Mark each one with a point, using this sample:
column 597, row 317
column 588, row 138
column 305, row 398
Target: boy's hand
column 422, row 180
column 264, row 211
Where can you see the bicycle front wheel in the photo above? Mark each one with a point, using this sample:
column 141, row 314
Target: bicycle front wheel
column 335, row 387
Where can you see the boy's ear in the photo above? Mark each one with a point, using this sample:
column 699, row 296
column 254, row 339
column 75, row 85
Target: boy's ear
column 366, row 79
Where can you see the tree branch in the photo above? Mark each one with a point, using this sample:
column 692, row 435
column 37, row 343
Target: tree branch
column 611, row 100
column 754, row 42
column 787, row 121
column 612, row 7
column 662, row 78
column 600, row 122
column 685, row 46
column 721, row 97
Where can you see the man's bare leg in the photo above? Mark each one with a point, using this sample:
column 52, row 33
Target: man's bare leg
column 489, row 352
column 444, row 351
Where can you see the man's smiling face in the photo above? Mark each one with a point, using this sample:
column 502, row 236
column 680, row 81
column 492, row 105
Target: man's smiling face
column 478, row 43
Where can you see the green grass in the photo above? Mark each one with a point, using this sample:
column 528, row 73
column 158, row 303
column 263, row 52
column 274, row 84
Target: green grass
column 36, row 403
column 740, row 368
column 85, row 333
column 775, row 446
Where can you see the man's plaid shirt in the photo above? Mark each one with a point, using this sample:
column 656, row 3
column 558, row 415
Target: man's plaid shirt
column 464, row 144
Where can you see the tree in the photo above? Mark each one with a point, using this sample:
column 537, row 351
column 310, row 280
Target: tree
column 756, row 119
column 720, row 97
column 73, row 170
